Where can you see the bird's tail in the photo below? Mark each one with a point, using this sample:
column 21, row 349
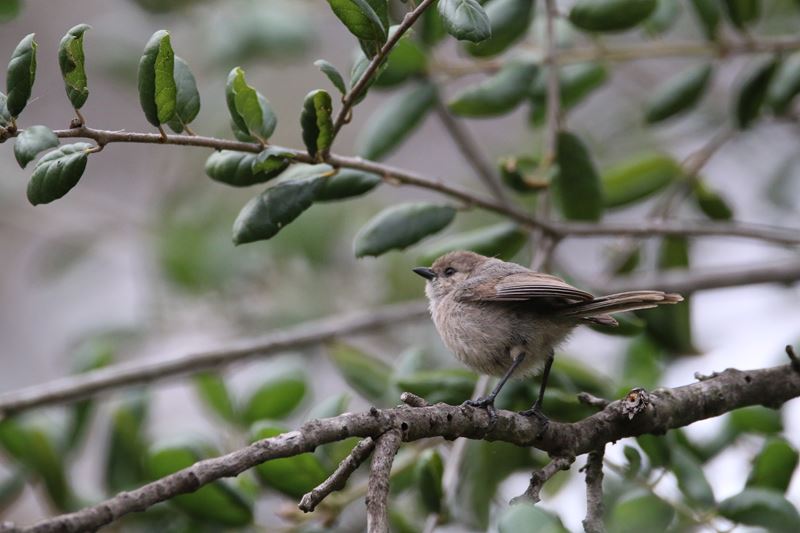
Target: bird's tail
column 599, row 309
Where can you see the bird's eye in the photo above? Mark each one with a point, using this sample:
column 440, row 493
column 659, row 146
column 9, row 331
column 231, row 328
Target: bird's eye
column 449, row 271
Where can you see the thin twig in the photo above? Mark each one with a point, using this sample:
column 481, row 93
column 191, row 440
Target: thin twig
column 378, row 489
column 592, row 401
column 540, row 477
column 593, row 523
column 338, row 479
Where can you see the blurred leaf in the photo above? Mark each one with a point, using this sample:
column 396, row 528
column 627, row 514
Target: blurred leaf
column 409, row 362
column 241, row 169
column 71, row 61
column 367, row 375
column 663, row 18
column 577, row 186
column 634, row 459
column 496, row 95
column 642, row 366
column 692, row 481
column 502, row 240
column 639, row 513
column 755, row 419
column 360, row 18
column 317, row 123
column 406, row 60
column 575, row 83
column 401, row 226
column 57, row 172
column 212, row 390
column 575, row 376
column 12, row 486
column 450, row 385
column 638, row 177
column 187, row 97
column 527, row 518
column 774, row 465
column 276, row 398
column 20, row 75
column 761, row 507
column 250, row 111
column 264, row 215
column 359, row 68
column 332, row 73
column 708, row 15
column 127, row 445
column 431, row 27
column 347, row 183
column 394, row 121
column 785, row 85
column 9, row 9
column 157, row 90
column 293, row 476
column 5, row 117
column 428, row 475
column 742, row 13
column 610, row 15
column 521, row 174
column 465, row 20
column 509, row 21
column 31, row 141
column 97, row 352
column 753, row 92
column 710, row 202
column 678, row 94
column 656, row 448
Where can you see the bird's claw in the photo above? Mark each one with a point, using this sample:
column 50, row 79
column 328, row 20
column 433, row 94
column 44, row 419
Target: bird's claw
column 536, row 412
column 486, row 403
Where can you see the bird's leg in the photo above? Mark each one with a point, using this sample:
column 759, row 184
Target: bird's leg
column 536, row 409
column 488, row 401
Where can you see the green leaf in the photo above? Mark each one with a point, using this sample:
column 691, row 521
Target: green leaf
column 575, row 83
column 663, row 18
column 214, row 393
column 264, row 215
column 317, row 123
column 11, row 486
column 126, row 452
column 577, row 186
column 670, row 326
column 678, row 94
column 642, row 366
column 527, row 518
column 276, row 398
column 450, row 385
column 394, row 121
column 5, row 116
column 708, row 15
column 711, row 202
column 20, row 75
column 157, row 90
column 755, row 419
column 406, row 60
column 465, row 20
column 360, row 65
column 272, row 161
column 97, row 352
column 610, row 15
column 428, row 477
column 31, row 141
column 242, row 169
column 634, row 459
column 347, row 183
column 774, row 465
column 57, row 172
column 753, row 92
column 220, row 502
column 431, row 28
column 522, row 174
column 497, row 94
column 640, row 513
column 360, row 18
column 761, row 507
column 187, row 99
column 509, row 21
column 656, row 448
column 9, row 9
column 72, row 63
column 637, row 178
column 500, row 240
column 400, row 226
column 367, row 375
column 249, row 110
column 692, row 481
column 785, row 86
column 742, row 13
column 332, row 73
column 293, row 476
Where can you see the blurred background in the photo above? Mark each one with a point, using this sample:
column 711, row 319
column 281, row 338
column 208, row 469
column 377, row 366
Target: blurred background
column 137, row 261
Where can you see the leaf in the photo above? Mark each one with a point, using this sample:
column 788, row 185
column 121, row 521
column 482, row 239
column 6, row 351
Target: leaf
column 657, row 449
column 157, row 89
column 500, row 240
column 264, row 215
column 465, row 20
column 575, row 83
column 785, row 85
column 637, row 178
column 406, row 60
column 497, row 94
column 774, row 465
column 72, row 63
column 276, row 398
column 678, row 94
column 692, row 481
column 57, row 172
column 347, row 183
column 332, row 73
column 187, row 99
column 755, row 419
column 428, row 477
column 214, row 393
column 509, row 21
column 31, row 141
column 711, row 202
column 634, row 459
column 20, row 75
column 271, row 161
column 293, row 476
column 11, row 486
column 642, row 366
column 640, row 513
column 240, row 169
column 98, row 352
column 577, row 186
column 9, row 9
column 753, row 92
column 761, row 507
column 360, row 18
column 249, row 110
column 431, row 28
column 610, row 15
column 663, row 18
column 451, row 385
column 401, row 226
column 527, row 518
column 522, row 174
column 367, row 375
column 742, row 13
column 5, row 117
column 708, row 14
column 394, row 121
column 126, row 451
column 317, row 123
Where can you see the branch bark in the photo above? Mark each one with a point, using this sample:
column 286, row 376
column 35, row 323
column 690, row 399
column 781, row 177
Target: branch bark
column 378, row 489
column 338, row 479
column 593, row 523
column 540, row 477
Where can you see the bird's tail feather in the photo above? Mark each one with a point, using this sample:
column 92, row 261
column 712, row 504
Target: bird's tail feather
column 617, row 303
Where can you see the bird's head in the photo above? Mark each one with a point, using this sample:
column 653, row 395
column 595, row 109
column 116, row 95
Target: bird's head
column 448, row 272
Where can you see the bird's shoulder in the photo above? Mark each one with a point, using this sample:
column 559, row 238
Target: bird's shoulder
column 517, row 283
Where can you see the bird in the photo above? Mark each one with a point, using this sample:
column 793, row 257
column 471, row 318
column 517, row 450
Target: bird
column 502, row 319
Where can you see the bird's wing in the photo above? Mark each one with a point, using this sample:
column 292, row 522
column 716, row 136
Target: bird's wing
column 529, row 285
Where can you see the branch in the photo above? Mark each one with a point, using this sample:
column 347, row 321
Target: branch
column 338, row 479
column 669, row 409
column 540, row 477
column 378, row 488
column 81, row 386
column 593, row 523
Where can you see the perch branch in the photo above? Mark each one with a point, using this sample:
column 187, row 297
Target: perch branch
column 378, row 489
column 593, row 523
column 338, row 479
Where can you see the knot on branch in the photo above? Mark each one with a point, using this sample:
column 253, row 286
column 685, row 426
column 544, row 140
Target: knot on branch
column 636, row 401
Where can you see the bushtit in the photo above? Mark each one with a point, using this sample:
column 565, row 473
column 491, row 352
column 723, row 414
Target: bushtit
column 500, row 318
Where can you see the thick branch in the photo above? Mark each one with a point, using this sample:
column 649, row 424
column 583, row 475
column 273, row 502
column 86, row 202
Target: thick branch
column 338, row 479
column 593, row 523
column 668, row 409
column 378, row 488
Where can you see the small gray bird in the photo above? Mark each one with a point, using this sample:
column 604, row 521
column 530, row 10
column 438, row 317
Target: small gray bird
column 500, row 318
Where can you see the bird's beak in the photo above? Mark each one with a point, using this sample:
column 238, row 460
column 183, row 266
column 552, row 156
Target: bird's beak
column 425, row 272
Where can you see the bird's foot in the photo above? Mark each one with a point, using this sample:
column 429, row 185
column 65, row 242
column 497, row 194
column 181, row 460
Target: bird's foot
column 488, row 404
column 536, row 412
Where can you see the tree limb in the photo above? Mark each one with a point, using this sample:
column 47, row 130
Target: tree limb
column 337, row 480
column 378, row 489
column 593, row 523
column 540, row 477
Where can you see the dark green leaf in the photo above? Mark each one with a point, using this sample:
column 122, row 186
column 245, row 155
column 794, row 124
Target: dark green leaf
column 276, row 398
column 774, row 465
column 157, row 89
column 249, row 110
column 394, row 121
column 97, row 352
column 634, row 459
column 428, row 475
column 753, row 92
column 708, row 14
column 610, row 15
column 332, row 73
column 755, row 419
column 347, row 183
column 640, row 513
column 293, row 476
column 663, row 18
column 711, row 202
column 496, row 95
column 57, row 172
column 762, row 507
column 242, row 169
column 212, row 390
column 5, row 116
column 670, row 325
column 500, row 240
column 9, row 9
column 577, row 186
column 643, row 365
column 522, row 174
column 187, row 99
column 451, row 385
column 406, row 60
column 678, row 94
column 360, row 18
column 272, row 161
column 367, row 375
column 575, row 83
column 127, row 447
column 785, row 86
column 317, row 123
column 527, row 518
column 264, row 215
column 742, row 13
column 692, row 481
column 657, row 449
column 637, row 178
column 465, row 20
column 73, row 68
column 20, row 75
column 431, row 28
column 509, row 21
column 401, row 226
column 31, row 141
